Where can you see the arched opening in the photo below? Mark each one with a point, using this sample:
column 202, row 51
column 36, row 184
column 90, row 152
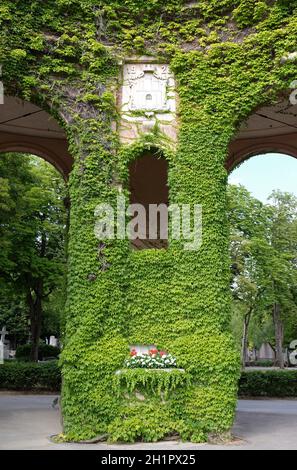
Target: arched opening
column 26, row 128
column 148, row 176
column 33, row 232
column 262, row 196
column 268, row 129
column 264, row 172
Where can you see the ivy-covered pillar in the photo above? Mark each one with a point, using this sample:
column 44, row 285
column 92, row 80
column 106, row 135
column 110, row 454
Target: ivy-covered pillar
column 173, row 298
column 176, row 299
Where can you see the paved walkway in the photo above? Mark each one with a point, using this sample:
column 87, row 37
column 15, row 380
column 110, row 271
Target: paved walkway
column 27, row 421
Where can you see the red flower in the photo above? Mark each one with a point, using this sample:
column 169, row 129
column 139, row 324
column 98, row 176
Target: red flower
column 163, row 353
column 133, row 352
column 153, row 351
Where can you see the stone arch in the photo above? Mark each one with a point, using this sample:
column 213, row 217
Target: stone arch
column 27, row 128
column 256, row 149
column 268, row 129
column 38, row 150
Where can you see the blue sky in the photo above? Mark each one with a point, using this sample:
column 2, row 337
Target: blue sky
column 261, row 174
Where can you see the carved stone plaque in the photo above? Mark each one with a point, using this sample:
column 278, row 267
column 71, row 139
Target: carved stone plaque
column 147, row 100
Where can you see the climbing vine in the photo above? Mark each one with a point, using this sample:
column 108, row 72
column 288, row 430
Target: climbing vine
column 228, row 59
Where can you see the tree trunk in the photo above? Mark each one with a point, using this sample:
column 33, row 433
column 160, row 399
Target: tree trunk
column 244, row 340
column 35, row 307
column 278, row 328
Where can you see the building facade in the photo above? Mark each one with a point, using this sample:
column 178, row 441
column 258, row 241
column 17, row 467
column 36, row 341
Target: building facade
column 189, row 90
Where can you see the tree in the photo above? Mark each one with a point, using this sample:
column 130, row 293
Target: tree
column 32, row 221
column 284, row 274
column 14, row 315
column 263, row 249
column 248, row 220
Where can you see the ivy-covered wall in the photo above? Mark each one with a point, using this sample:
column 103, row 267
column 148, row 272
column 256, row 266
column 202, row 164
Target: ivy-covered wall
column 226, row 55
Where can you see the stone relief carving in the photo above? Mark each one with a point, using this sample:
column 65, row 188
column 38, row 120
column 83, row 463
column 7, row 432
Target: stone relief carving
column 148, row 88
column 147, row 100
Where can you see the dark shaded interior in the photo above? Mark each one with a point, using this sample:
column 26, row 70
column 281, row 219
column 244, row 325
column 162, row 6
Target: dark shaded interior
column 148, row 176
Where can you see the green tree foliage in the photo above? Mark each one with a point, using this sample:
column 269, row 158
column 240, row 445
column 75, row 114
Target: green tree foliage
column 32, row 230
column 263, row 250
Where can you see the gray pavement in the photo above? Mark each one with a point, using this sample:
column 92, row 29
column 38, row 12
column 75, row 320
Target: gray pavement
column 27, row 422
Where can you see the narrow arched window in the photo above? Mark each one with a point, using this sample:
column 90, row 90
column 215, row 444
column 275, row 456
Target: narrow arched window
column 148, row 226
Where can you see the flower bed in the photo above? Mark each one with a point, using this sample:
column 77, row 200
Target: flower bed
column 153, row 360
